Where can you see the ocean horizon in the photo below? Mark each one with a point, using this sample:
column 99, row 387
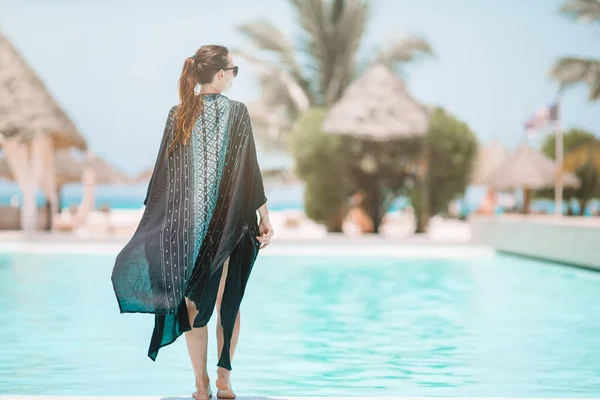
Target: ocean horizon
column 280, row 197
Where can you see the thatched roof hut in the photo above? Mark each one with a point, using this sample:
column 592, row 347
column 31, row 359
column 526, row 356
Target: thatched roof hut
column 70, row 166
column 145, row 175
column 489, row 158
column 26, row 107
column 530, row 169
column 32, row 127
column 377, row 106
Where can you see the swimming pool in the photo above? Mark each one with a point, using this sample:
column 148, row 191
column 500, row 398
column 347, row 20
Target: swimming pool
column 359, row 326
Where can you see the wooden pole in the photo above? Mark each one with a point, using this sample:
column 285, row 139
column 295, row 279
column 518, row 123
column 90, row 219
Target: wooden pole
column 558, row 186
column 425, row 206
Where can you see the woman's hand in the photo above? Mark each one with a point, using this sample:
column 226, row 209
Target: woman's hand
column 266, row 232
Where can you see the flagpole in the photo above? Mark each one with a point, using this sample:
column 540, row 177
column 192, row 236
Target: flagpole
column 558, row 187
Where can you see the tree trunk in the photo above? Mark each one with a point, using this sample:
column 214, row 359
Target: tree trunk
column 526, row 200
column 374, row 205
column 425, row 213
column 422, row 210
column 48, row 207
column 59, row 204
column 421, row 222
column 582, row 206
column 335, row 221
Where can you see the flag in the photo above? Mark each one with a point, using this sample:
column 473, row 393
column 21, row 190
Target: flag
column 542, row 118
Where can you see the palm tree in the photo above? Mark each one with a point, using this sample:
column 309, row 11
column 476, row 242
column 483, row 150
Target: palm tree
column 584, row 160
column 571, row 70
column 315, row 71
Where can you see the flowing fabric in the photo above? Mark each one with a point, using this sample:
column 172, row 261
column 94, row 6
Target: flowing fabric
column 201, row 208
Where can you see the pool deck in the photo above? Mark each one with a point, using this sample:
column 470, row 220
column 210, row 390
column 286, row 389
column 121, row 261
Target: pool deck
column 332, row 244
column 567, row 240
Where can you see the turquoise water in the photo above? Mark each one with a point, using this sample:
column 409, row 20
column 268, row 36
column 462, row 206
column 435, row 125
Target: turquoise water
column 498, row 327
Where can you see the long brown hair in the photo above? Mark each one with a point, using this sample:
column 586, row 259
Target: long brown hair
column 200, row 68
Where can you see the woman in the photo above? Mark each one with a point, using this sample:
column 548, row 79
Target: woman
column 199, row 235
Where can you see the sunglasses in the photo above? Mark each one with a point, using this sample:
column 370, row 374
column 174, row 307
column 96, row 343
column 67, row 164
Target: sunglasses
column 235, row 70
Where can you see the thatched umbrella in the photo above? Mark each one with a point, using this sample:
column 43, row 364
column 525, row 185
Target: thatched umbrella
column 71, row 166
column 530, row 170
column 26, row 106
column 377, row 107
column 144, row 176
column 489, row 158
column 32, row 126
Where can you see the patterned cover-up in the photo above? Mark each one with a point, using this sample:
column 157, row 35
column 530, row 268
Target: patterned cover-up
column 200, row 209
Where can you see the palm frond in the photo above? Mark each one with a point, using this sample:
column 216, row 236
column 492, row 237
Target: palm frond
column 405, row 50
column 266, row 36
column 278, row 85
column 582, row 10
column 349, row 30
column 572, row 70
column 585, row 154
column 314, row 42
column 256, row 61
column 332, row 34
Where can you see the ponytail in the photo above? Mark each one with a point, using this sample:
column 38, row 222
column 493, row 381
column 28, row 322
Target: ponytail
column 190, row 105
column 198, row 69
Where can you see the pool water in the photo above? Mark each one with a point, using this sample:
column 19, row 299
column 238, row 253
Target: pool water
column 495, row 327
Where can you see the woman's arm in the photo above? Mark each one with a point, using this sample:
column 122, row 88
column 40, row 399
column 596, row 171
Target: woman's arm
column 264, row 227
column 263, row 212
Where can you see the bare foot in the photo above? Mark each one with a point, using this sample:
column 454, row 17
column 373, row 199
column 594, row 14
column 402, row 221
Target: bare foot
column 224, row 385
column 203, row 391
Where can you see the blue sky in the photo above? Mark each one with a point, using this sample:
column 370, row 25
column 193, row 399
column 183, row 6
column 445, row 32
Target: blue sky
column 114, row 65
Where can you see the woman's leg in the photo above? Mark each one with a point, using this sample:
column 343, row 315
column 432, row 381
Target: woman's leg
column 197, row 343
column 223, row 382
